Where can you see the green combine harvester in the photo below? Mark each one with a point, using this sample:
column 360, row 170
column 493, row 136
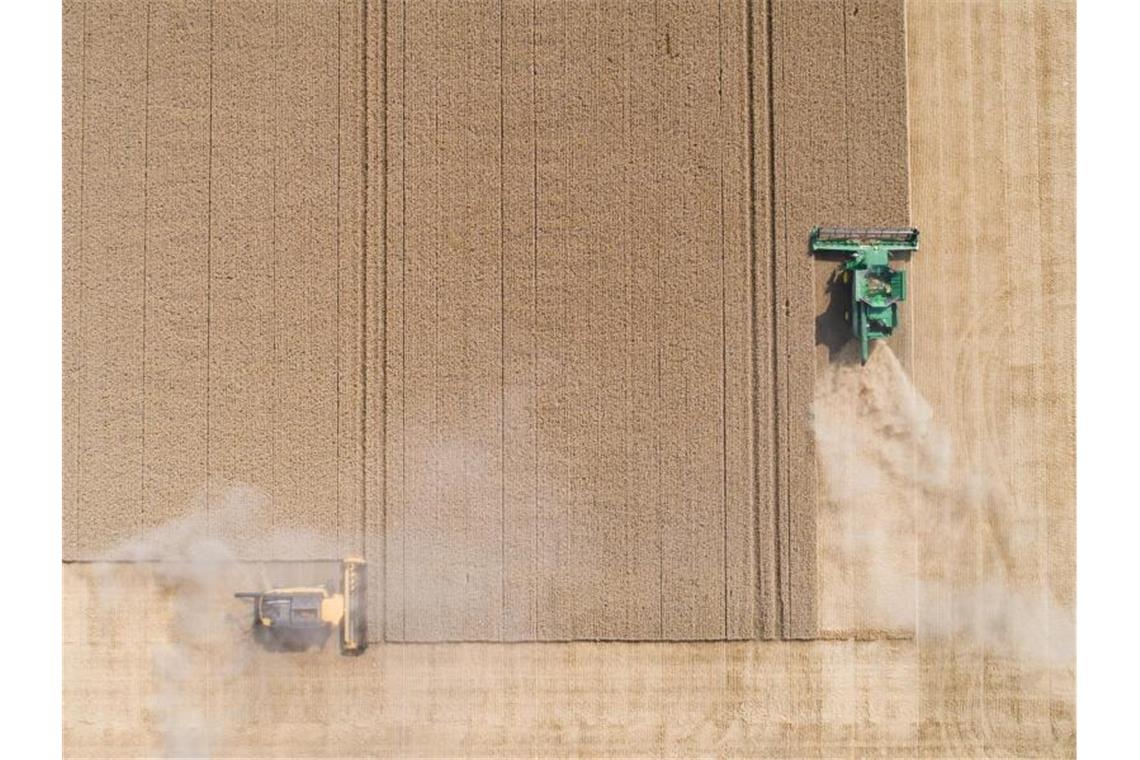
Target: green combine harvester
column 876, row 287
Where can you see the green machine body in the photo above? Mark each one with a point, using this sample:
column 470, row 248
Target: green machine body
column 876, row 287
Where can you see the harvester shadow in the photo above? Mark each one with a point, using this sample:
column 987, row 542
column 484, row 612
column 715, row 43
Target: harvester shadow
column 296, row 642
column 832, row 328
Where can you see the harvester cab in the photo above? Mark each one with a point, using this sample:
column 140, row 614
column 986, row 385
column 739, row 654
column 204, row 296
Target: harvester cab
column 876, row 287
column 294, row 619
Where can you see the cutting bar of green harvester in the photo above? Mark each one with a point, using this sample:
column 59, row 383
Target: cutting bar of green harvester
column 876, row 287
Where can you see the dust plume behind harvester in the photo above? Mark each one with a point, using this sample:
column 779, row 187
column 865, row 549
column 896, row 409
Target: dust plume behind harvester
column 876, row 287
column 296, row 618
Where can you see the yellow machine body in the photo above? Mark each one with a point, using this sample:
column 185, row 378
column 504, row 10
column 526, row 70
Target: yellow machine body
column 331, row 609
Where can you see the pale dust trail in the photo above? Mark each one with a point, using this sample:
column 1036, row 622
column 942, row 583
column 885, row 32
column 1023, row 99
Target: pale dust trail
column 883, row 454
column 194, row 566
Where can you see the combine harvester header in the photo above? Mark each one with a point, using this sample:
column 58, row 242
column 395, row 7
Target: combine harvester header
column 876, row 287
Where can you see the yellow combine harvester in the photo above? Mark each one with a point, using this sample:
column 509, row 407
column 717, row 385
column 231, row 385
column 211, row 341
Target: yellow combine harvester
column 294, row 619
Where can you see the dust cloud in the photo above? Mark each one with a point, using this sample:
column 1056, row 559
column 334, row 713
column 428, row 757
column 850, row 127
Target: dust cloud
column 195, row 565
column 890, row 469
